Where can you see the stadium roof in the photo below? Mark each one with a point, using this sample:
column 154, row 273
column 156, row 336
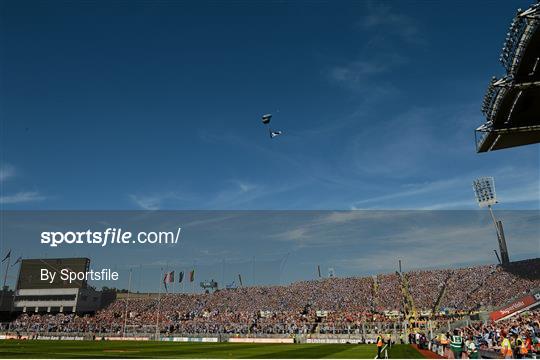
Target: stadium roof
column 512, row 103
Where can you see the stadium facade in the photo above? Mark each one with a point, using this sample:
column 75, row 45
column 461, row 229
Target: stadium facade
column 511, row 105
column 33, row 295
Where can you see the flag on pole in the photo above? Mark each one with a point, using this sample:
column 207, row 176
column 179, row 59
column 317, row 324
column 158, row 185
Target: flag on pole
column 192, row 275
column 319, row 270
column 169, row 278
column 17, row 261
column 240, row 280
column 7, row 256
column 180, row 276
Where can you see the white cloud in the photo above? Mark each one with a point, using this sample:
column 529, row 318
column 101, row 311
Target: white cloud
column 383, row 17
column 357, row 71
column 449, row 193
column 433, row 243
column 246, row 187
column 236, row 194
column 6, row 171
column 381, row 26
column 363, row 74
column 149, row 202
column 414, row 190
column 21, row 197
column 298, row 234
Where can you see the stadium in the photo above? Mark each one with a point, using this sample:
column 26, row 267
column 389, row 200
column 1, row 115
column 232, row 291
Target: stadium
column 415, row 307
column 510, row 103
column 494, row 309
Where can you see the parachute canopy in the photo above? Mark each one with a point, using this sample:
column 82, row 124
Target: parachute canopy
column 266, row 119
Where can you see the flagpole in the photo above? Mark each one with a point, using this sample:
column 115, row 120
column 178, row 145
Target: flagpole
column 159, row 303
column 168, row 275
column 127, row 300
column 5, row 278
column 253, row 270
column 140, row 278
column 193, row 280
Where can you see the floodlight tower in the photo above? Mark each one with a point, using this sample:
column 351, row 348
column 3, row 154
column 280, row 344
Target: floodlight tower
column 484, row 189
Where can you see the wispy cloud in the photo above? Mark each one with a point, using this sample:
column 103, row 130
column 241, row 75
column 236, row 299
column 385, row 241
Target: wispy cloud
column 381, row 29
column 152, row 201
column 317, row 228
column 383, row 18
column 527, row 192
column 433, row 242
column 21, row 197
column 410, row 191
column 356, row 71
column 456, row 192
column 240, row 193
column 353, row 238
column 235, row 194
column 6, row 171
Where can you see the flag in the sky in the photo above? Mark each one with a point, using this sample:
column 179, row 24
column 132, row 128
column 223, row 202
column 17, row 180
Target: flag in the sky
column 7, row 256
column 17, row 261
column 180, row 276
column 169, row 278
column 192, row 275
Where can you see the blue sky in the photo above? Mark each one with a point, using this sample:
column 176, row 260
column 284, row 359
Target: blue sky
column 157, row 105
column 272, row 247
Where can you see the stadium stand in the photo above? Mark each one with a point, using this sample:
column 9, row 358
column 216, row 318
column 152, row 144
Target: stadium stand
column 333, row 305
column 510, row 104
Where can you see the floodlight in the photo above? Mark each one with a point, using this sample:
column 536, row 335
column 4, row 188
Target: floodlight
column 484, row 188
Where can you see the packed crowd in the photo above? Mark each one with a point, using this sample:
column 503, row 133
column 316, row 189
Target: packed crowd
column 347, row 304
column 517, row 337
column 472, row 288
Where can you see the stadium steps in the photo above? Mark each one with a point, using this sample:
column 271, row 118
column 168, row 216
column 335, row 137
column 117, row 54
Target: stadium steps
column 375, row 289
column 480, row 285
column 409, row 307
column 442, row 292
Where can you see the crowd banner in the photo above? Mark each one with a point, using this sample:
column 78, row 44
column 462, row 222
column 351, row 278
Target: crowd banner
column 262, row 340
column 515, row 307
column 131, row 338
column 336, row 340
column 189, row 339
column 49, row 337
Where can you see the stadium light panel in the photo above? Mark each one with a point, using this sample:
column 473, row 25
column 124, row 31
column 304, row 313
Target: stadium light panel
column 484, row 188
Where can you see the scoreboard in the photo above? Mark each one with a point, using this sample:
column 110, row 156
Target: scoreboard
column 31, row 271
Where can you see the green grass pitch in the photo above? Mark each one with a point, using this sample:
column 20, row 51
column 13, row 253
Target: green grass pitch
column 152, row 349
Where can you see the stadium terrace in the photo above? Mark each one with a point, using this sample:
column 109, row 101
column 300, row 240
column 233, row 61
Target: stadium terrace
column 332, row 305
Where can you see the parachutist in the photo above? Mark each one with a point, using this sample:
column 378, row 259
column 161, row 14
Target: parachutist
column 266, row 121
